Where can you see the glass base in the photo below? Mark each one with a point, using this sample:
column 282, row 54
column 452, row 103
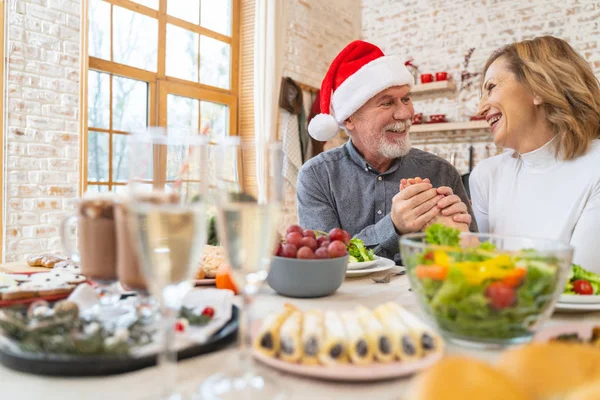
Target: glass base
column 240, row 387
column 481, row 344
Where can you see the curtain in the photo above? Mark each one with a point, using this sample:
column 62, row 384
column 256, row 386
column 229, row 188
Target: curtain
column 269, row 42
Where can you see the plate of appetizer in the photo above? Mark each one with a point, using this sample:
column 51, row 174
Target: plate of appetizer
column 63, row 339
column 360, row 256
column 582, row 287
column 583, row 332
column 355, row 345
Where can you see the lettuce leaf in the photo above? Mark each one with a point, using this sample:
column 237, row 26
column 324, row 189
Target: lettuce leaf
column 357, row 249
column 442, row 235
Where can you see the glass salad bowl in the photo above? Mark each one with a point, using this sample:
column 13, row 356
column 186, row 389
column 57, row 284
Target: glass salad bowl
column 485, row 290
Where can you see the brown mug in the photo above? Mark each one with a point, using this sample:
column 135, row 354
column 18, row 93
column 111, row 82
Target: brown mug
column 96, row 236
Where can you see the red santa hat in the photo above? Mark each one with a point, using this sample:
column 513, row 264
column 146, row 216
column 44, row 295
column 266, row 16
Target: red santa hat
column 358, row 73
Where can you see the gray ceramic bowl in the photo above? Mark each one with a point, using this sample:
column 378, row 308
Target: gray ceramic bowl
column 306, row 278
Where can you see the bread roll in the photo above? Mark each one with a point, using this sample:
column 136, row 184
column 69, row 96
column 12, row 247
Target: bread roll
column 551, row 370
column 587, row 392
column 460, row 378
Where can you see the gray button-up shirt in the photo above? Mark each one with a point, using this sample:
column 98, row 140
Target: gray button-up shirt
column 339, row 188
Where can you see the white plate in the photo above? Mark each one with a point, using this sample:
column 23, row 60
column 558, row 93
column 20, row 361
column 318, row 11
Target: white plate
column 579, row 299
column 577, row 307
column 383, row 264
column 582, row 329
column 352, row 373
column 363, row 265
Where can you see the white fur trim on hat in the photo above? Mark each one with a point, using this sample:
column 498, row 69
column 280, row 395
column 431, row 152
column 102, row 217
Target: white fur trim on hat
column 374, row 77
column 323, row 127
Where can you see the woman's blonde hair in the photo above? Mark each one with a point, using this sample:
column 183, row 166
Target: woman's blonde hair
column 565, row 83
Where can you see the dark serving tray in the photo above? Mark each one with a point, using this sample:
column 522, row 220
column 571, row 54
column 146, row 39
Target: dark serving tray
column 69, row 365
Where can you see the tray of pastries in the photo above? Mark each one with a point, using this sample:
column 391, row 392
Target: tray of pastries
column 354, row 345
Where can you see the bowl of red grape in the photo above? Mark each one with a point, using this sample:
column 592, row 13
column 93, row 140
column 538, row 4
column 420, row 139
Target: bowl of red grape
column 309, row 263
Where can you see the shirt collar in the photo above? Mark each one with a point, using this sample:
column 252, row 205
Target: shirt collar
column 545, row 156
column 363, row 164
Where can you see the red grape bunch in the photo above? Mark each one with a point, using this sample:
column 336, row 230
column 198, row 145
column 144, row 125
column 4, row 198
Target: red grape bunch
column 305, row 244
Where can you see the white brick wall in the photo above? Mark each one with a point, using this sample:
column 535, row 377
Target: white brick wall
column 317, row 31
column 438, row 33
column 42, row 158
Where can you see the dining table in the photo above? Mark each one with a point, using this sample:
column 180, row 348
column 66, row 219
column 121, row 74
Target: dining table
column 147, row 383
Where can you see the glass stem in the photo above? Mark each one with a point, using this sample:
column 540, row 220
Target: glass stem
column 167, row 360
column 245, row 333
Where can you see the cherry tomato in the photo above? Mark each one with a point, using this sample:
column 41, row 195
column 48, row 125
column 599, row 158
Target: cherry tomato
column 581, row 286
column 209, row 311
column 501, row 295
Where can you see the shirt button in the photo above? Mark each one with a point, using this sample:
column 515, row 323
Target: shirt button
column 367, row 169
column 379, row 178
column 379, row 212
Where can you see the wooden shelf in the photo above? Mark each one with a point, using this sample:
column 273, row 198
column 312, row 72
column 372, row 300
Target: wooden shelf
column 449, row 126
column 434, row 87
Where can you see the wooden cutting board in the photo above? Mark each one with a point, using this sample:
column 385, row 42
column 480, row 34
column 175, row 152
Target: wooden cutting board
column 21, row 267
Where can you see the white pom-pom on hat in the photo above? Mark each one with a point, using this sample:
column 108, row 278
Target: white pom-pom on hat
column 323, row 127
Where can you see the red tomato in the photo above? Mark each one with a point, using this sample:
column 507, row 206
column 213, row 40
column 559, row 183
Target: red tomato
column 581, row 286
column 501, row 295
column 209, row 311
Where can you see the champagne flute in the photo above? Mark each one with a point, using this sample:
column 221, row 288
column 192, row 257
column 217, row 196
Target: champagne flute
column 247, row 229
column 167, row 208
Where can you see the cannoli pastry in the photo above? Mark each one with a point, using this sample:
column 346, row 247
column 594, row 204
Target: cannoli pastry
column 404, row 343
column 267, row 340
column 334, row 348
column 312, row 336
column 290, row 345
column 377, row 338
column 358, row 350
column 428, row 340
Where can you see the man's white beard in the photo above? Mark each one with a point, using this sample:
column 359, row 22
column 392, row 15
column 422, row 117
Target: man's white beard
column 395, row 149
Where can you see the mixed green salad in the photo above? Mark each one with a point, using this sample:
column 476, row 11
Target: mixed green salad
column 582, row 282
column 359, row 252
column 480, row 291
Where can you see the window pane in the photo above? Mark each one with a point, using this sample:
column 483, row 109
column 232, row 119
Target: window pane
column 97, row 156
column 130, row 104
column 99, row 31
column 214, row 62
column 98, row 95
column 120, row 167
column 148, row 3
column 187, row 10
column 97, row 188
column 182, row 53
column 119, row 188
column 214, row 119
column 182, row 113
column 135, row 39
column 216, row 15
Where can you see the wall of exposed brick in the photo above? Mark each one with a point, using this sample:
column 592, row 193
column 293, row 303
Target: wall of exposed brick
column 42, row 139
column 317, row 31
column 437, row 35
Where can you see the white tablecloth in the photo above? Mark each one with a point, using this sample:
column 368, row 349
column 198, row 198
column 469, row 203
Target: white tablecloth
column 145, row 384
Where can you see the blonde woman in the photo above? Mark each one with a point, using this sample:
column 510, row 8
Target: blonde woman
column 542, row 102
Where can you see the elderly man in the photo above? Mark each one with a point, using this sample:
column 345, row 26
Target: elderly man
column 357, row 186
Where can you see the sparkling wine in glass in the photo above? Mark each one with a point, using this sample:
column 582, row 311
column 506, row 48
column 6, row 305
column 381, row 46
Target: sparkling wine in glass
column 167, row 208
column 247, row 228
